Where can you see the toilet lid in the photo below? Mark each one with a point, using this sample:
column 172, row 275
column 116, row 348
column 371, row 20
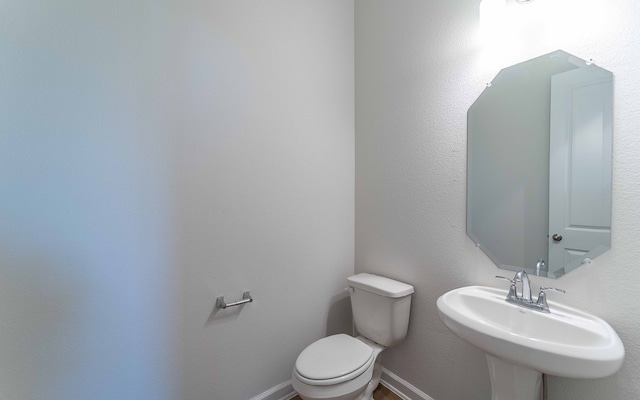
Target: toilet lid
column 332, row 357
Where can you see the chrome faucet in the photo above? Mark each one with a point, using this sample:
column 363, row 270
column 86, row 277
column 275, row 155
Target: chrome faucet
column 525, row 292
column 524, row 299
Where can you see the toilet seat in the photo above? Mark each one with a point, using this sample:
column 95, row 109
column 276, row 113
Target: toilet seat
column 332, row 360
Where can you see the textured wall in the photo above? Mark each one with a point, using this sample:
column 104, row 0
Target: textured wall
column 419, row 65
column 264, row 176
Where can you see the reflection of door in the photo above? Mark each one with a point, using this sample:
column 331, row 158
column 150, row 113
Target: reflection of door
column 580, row 167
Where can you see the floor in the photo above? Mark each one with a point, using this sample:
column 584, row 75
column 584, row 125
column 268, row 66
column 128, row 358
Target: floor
column 381, row 393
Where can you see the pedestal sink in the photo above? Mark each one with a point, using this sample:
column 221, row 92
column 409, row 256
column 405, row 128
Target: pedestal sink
column 521, row 344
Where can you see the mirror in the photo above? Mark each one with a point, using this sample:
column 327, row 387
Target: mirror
column 539, row 165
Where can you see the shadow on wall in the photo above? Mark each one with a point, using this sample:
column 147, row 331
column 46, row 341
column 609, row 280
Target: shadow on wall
column 339, row 315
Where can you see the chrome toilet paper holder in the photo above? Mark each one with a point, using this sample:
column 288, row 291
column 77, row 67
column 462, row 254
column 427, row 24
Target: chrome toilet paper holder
column 246, row 298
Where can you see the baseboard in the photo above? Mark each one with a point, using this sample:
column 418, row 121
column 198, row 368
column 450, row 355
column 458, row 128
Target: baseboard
column 393, row 382
column 283, row 391
column 402, row 388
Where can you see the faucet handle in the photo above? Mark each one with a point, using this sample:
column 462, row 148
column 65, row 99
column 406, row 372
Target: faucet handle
column 542, row 296
column 513, row 281
column 512, row 288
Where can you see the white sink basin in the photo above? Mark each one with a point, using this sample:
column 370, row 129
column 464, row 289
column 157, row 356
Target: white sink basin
column 566, row 342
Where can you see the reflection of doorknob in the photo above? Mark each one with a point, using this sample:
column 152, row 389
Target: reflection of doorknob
column 556, row 237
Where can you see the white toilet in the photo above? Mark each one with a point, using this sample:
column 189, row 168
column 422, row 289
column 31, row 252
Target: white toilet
column 341, row 367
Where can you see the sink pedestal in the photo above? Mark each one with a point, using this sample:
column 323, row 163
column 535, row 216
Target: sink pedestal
column 513, row 382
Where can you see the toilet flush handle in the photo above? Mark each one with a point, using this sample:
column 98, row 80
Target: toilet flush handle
column 349, row 289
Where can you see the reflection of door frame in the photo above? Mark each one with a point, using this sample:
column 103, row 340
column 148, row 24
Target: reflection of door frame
column 580, row 140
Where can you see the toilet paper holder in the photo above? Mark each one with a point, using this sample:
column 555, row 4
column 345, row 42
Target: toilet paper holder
column 246, row 298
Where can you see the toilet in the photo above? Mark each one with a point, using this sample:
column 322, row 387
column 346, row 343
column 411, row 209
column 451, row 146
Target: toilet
column 342, row 367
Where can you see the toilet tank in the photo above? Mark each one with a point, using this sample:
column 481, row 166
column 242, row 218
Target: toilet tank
column 380, row 307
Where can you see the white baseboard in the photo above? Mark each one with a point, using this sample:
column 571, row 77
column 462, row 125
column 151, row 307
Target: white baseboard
column 402, row 388
column 283, row 391
column 393, row 382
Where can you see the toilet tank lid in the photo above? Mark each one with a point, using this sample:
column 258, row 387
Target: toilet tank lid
column 380, row 285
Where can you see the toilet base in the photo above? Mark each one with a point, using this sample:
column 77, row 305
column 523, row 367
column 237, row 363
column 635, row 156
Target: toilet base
column 374, row 382
column 324, row 395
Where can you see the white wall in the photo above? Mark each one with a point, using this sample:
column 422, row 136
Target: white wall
column 419, row 66
column 156, row 155
column 264, row 161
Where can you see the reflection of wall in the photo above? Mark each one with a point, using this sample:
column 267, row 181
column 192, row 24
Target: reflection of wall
column 417, row 72
column 509, row 166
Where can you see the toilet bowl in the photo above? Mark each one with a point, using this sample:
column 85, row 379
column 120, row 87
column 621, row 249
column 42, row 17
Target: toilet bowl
column 341, row 367
column 338, row 367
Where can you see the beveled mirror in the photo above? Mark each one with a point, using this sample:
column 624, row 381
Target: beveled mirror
column 539, row 165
